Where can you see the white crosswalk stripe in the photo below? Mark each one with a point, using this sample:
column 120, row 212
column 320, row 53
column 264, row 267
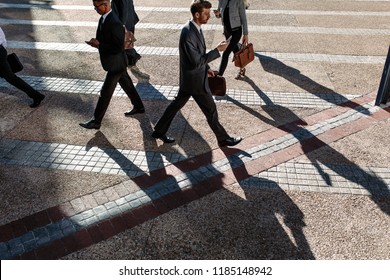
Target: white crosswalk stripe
column 185, row 10
column 178, row 26
column 165, row 51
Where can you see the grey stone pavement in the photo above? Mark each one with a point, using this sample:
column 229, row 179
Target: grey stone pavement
column 309, row 181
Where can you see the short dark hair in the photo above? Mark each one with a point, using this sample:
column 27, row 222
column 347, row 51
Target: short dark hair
column 197, row 6
column 101, row 1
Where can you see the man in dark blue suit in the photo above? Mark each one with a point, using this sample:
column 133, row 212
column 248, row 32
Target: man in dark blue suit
column 194, row 71
column 109, row 41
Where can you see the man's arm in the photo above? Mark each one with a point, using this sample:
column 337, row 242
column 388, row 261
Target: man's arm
column 194, row 54
column 120, row 8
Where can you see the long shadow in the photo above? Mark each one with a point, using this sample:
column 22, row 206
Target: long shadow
column 264, row 246
column 126, row 165
column 268, row 238
column 378, row 189
column 296, row 77
column 279, row 220
column 272, row 241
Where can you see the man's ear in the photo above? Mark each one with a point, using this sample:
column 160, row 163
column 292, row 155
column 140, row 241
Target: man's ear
column 197, row 15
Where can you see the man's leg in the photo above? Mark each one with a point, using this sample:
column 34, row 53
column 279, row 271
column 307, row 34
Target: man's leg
column 207, row 105
column 10, row 77
column 127, row 85
column 166, row 119
column 106, row 93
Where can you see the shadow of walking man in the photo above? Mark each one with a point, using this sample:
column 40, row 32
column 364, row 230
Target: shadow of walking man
column 378, row 189
column 296, row 77
column 278, row 220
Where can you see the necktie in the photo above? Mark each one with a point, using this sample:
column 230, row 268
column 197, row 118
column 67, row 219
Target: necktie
column 101, row 23
column 201, row 35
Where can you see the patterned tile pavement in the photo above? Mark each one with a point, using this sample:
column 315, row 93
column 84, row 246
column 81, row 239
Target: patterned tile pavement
column 272, row 154
column 47, row 234
column 161, row 92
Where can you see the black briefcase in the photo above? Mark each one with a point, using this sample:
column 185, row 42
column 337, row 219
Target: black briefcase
column 14, row 62
column 217, row 85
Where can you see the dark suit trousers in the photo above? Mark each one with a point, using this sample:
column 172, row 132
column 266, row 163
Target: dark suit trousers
column 108, row 89
column 205, row 102
column 10, row 77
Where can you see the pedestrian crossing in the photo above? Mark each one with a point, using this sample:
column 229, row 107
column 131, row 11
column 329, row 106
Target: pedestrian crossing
column 185, row 10
column 318, row 100
column 165, row 51
column 215, row 27
column 156, row 91
column 234, row 95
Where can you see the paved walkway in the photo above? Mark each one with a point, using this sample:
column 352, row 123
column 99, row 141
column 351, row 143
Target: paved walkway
column 160, row 181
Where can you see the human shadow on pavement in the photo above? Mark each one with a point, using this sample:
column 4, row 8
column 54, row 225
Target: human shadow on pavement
column 154, row 161
column 377, row 188
column 276, row 222
column 276, row 67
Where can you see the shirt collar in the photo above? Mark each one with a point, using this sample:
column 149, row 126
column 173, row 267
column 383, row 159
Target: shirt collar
column 3, row 41
column 105, row 15
column 196, row 25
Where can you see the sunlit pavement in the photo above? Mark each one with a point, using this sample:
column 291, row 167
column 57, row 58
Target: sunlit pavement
column 310, row 180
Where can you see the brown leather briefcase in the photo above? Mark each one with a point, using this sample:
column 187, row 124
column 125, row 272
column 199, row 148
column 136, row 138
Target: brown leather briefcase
column 217, row 85
column 244, row 56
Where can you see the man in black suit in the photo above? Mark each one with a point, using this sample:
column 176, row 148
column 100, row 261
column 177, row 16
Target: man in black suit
column 110, row 42
column 10, row 77
column 194, row 71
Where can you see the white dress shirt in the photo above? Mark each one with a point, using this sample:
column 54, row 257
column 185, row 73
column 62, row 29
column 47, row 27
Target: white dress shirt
column 197, row 26
column 3, row 41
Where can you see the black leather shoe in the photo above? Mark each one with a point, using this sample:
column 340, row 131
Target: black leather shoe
column 37, row 101
column 90, row 125
column 231, row 141
column 162, row 137
column 135, row 111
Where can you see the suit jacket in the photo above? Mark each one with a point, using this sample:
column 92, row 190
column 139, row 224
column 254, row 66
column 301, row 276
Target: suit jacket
column 194, row 60
column 111, row 36
column 126, row 13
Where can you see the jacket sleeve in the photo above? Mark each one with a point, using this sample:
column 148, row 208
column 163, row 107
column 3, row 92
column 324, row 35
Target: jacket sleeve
column 194, row 55
column 244, row 22
column 120, row 8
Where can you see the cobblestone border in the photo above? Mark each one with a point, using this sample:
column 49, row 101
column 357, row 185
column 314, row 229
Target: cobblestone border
column 48, row 234
column 160, row 92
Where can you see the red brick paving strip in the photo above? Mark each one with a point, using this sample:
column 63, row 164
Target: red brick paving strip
column 111, row 227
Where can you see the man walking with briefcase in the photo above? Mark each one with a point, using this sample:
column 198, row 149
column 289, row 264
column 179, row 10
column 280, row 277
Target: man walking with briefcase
column 194, row 71
column 10, row 77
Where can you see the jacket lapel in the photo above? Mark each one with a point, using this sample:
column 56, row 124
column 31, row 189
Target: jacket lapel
column 200, row 36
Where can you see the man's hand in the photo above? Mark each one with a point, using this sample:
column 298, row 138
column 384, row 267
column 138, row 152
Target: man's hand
column 222, row 46
column 93, row 42
column 212, row 73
